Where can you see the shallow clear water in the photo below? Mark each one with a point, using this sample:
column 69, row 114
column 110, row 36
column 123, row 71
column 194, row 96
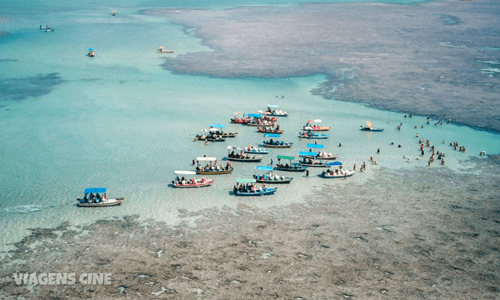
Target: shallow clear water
column 119, row 120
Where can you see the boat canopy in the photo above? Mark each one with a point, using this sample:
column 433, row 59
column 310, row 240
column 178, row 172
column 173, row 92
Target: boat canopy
column 91, row 49
column 185, row 172
column 315, row 146
column 94, row 190
column 369, row 125
column 272, row 105
column 285, row 157
column 264, row 168
column 255, row 115
column 245, row 180
column 335, row 163
column 272, row 135
column 307, row 153
column 314, row 121
column 204, row 158
column 217, row 125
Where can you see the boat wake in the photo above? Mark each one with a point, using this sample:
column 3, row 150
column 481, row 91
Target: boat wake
column 22, row 209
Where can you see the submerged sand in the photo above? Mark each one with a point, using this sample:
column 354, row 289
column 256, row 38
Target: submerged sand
column 428, row 233
column 438, row 59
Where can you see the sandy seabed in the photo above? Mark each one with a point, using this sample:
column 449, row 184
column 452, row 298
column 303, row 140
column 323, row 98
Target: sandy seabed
column 429, row 233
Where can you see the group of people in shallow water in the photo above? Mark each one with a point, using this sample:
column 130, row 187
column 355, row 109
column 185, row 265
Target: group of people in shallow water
column 94, row 198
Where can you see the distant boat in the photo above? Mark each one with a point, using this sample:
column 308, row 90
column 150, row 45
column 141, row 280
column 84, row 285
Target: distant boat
column 97, row 200
column 113, row 13
column 161, row 50
column 370, row 127
column 189, row 183
column 252, row 190
column 91, row 52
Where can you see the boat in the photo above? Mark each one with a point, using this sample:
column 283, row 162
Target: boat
column 247, row 187
column 275, row 144
column 270, row 177
column 270, row 129
column 237, row 120
column 113, row 13
column 291, row 167
column 49, row 29
column 338, row 173
column 91, row 52
column 313, row 135
column 241, row 156
column 370, row 127
column 272, row 110
column 161, row 50
column 212, row 167
column 215, row 129
column 209, row 137
column 97, row 200
column 322, row 155
column 311, row 125
column 260, row 121
column 253, row 150
column 190, row 183
column 310, row 162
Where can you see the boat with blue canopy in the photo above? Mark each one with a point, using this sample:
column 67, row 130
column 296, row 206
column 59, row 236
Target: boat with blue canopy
column 93, row 198
column 247, row 187
column 270, row 176
column 216, row 130
column 275, row 144
column 311, row 161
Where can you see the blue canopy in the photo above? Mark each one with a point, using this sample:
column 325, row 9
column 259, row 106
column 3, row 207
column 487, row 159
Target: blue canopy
column 315, row 146
column 94, row 190
column 217, row 125
column 272, row 105
column 335, row 163
column 245, row 180
column 255, row 115
column 264, row 168
column 307, row 153
column 91, row 49
column 272, row 134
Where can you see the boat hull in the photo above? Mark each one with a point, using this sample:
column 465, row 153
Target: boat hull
column 265, row 192
column 246, row 159
column 214, row 172
column 288, row 145
column 196, row 185
column 291, row 169
column 316, row 128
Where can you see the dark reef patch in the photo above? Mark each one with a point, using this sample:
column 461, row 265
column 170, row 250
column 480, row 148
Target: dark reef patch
column 16, row 89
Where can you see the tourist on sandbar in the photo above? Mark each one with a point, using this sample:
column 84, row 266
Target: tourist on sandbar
column 422, row 152
column 371, row 158
column 363, row 165
column 340, row 144
column 345, row 175
column 415, row 126
column 354, row 168
column 378, row 151
column 442, row 161
column 417, row 134
column 388, row 121
column 307, row 173
column 482, row 153
column 399, row 145
column 408, row 160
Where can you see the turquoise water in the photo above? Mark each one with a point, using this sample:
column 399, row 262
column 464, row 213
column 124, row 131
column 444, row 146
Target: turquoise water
column 119, row 120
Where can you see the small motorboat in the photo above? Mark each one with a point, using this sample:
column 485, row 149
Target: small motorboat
column 370, row 127
column 247, row 187
column 212, row 167
column 322, row 155
column 161, row 50
column 91, row 52
column 253, row 150
column 238, row 154
column 270, row 177
column 290, row 167
column 216, row 130
column 113, row 13
column 313, row 135
column 310, row 162
column 275, row 144
column 93, row 198
column 339, row 173
column 272, row 110
column 311, row 125
column 190, row 183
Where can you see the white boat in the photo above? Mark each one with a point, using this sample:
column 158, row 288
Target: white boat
column 339, row 173
column 190, row 183
column 91, row 200
column 161, row 50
